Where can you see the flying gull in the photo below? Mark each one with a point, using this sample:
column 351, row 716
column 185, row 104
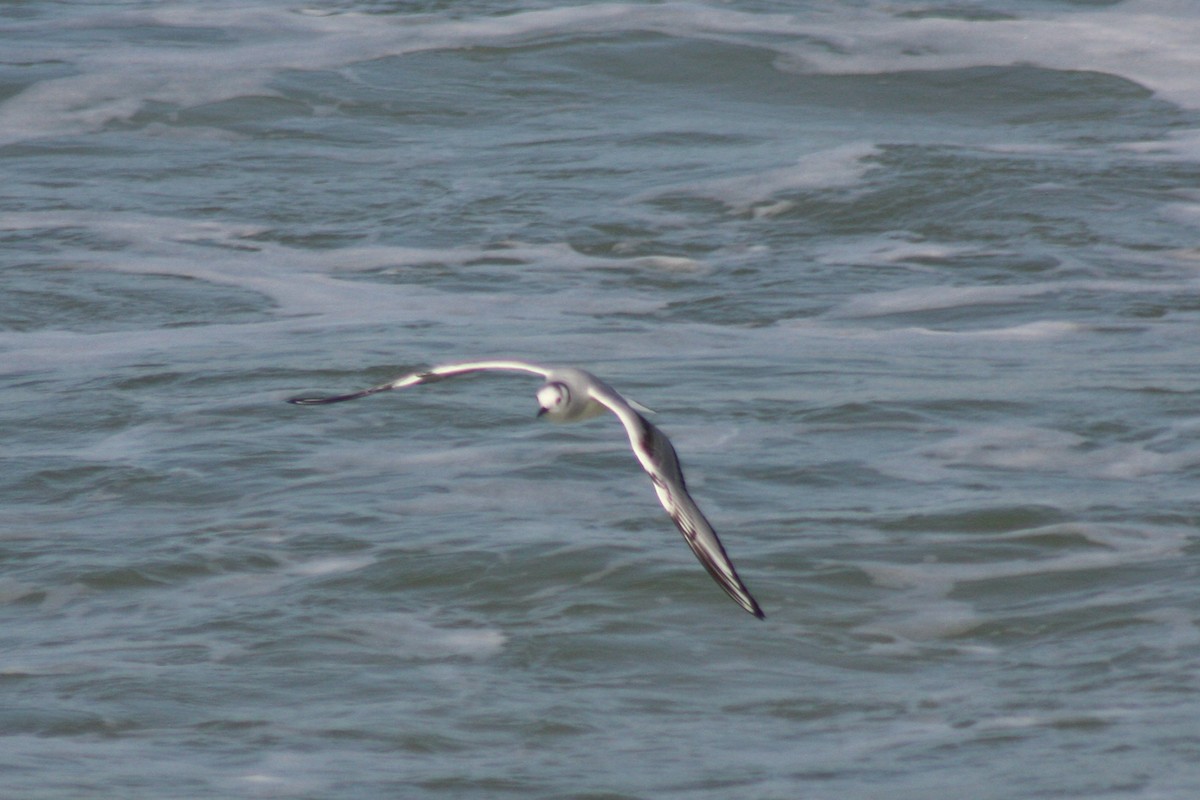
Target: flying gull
column 570, row 395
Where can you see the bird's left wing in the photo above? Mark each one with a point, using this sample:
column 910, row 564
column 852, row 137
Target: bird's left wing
column 657, row 456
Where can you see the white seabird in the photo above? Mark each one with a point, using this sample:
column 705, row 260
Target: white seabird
column 570, row 395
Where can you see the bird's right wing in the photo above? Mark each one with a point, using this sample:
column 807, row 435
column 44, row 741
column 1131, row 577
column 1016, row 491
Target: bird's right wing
column 431, row 375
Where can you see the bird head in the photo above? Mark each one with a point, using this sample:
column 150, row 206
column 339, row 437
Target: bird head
column 553, row 399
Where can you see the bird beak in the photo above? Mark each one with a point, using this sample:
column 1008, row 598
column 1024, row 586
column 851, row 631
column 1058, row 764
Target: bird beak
column 542, row 411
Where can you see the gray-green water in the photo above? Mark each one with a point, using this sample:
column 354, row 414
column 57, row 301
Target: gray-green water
column 913, row 288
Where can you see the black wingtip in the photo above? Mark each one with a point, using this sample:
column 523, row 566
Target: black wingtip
column 309, row 401
column 748, row 603
column 337, row 398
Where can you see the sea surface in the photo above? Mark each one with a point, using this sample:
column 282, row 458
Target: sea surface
column 914, row 287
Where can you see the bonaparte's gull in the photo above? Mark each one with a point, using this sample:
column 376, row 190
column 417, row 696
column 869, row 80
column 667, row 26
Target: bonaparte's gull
column 569, row 395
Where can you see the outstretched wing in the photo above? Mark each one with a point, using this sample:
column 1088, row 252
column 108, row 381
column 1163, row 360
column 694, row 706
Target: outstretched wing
column 425, row 376
column 650, row 445
column 657, row 456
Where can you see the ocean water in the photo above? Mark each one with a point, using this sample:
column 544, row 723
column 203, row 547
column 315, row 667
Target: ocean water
column 914, row 287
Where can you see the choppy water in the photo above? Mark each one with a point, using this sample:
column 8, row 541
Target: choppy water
column 912, row 285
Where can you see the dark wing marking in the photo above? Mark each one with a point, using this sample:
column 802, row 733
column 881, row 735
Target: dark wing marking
column 657, row 456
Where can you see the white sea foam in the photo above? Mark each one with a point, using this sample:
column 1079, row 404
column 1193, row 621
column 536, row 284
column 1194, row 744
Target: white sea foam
column 302, row 281
column 1030, row 331
column 917, row 254
column 280, row 774
column 411, row 637
column 299, row 284
column 1187, row 213
column 837, row 167
column 1037, row 331
column 337, row 565
column 1174, row 146
column 923, row 610
column 260, row 42
column 1150, row 42
column 928, row 298
column 671, row 264
column 940, row 297
column 1119, row 547
column 134, row 228
column 1181, row 629
column 1033, row 448
column 928, row 620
